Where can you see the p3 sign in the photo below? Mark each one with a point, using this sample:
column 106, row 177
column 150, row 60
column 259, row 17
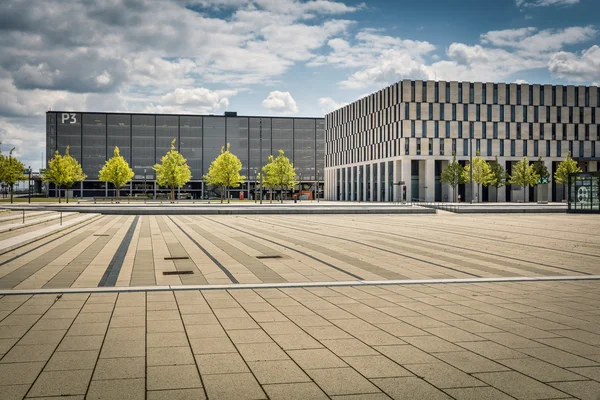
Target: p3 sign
column 67, row 118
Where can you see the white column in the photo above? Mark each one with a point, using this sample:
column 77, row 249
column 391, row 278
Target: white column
column 387, row 181
column 501, row 196
column 364, row 185
column 397, row 171
column 592, row 166
column 429, row 179
column 351, row 180
column 372, row 178
column 407, row 178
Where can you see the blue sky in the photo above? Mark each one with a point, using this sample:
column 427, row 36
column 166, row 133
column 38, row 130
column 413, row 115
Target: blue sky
column 270, row 57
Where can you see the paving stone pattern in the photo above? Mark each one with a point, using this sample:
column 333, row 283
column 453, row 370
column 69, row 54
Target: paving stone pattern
column 534, row 340
column 311, row 248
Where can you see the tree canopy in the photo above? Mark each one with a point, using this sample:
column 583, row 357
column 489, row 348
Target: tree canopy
column 58, row 172
column 540, row 169
column 75, row 171
column 499, row 176
column 173, row 170
column 224, row 171
column 116, row 171
column 482, row 173
column 566, row 167
column 279, row 172
column 11, row 171
column 523, row 175
column 453, row 174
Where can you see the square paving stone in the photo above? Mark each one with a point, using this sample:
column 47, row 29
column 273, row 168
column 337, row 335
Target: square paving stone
column 277, row 372
column 205, row 331
column 221, row 363
column 327, row 332
column 585, row 390
column 170, row 356
column 173, row 377
column 88, row 329
column 249, row 336
column 295, row 391
column 212, row 345
column 492, row 350
column 124, row 322
column 120, row 368
column 61, row 383
column 29, row 353
column 19, row 373
column 410, row 388
column 376, row 367
column 177, row 394
column 348, row 347
column 338, row 381
column 442, row 375
column 589, row 372
column 364, row 396
column 519, row 385
column 540, row 370
column 406, row 354
column 52, row 337
column 92, row 318
column 45, row 324
column 261, row 352
column 80, row 343
column 296, row 341
column 130, row 333
column 125, row 389
column 432, row 344
column 167, row 339
column 233, row 386
column 478, row 393
column 559, row 357
column 126, row 348
column 72, row 360
column 470, row 362
column 14, row 392
column 316, row 358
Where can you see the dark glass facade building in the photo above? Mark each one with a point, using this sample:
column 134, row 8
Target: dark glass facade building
column 144, row 138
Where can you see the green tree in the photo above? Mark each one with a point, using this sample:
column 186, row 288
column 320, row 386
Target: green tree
column 224, row 171
column 11, row 171
column 75, row 172
column 482, row 173
column 453, row 174
column 56, row 172
column 279, row 172
column 116, row 171
column 540, row 168
column 173, row 170
column 499, row 175
column 523, row 175
column 566, row 167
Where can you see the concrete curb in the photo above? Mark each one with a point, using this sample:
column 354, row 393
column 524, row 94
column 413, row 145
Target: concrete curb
column 125, row 289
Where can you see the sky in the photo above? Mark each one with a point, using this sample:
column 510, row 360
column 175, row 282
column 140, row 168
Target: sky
column 270, row 57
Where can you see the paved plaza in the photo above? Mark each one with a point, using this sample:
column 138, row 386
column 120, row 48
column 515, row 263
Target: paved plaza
column 368, row 338
column 138, row 250
column 535, row 340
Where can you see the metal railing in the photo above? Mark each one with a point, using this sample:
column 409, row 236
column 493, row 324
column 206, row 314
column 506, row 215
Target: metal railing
column 438, row 205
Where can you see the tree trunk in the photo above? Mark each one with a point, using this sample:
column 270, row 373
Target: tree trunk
column 172, row 194
column 281, row 195
column 222, row 190
column 228, row 196
column 11, row 194
column 118, row 194
column 67, row 195
column 59, row 195
column 271, row 195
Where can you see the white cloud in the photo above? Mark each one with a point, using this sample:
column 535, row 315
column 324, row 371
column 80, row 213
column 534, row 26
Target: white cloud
column 529, row 39
column 199, row 99
column 521, row 82
column 545, row 3
column 576, row 67
column 280, row 102
column 327, row 105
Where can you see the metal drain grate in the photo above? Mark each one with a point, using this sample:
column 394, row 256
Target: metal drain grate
column 100, row 235
column 267, row 257
column 178, row 272
column 177, row 258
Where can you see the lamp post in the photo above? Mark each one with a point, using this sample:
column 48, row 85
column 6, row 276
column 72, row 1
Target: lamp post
column 255, row 184
column 29, row 186
column 145, row 188
column 317, row 184
column 261, row 177
column 300, row 188
column 471, row 164
column 358, row 190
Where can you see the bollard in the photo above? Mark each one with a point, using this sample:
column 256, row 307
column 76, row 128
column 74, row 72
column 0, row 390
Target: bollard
column 23, row 215
column 61, row 218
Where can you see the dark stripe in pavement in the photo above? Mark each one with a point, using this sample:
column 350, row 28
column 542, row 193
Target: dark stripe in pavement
column 293, row 249
column 114, row 267
column 457, row 247
column 378, row 248
column 217, row 263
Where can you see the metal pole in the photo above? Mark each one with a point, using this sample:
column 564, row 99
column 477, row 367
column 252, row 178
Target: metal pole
column 23, row 215
column 261, row 177
column 255, row 184
column 471, row 164
column 29, row 187
column 317, row 185
column 60, row 217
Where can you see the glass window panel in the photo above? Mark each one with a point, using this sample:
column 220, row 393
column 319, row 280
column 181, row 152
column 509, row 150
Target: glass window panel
column 118, row 134
column 258, row 125
column 166, row 131
column 304, row 148
column 190, row 143
column 143, row 145
column 237, row 137
column 213, row 140
column 94, row 144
